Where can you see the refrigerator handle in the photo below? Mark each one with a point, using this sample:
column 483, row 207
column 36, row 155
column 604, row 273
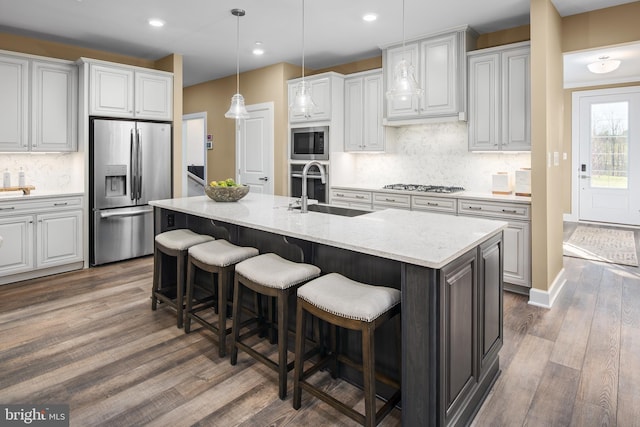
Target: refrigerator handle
column 139, row 167
column 132, row 166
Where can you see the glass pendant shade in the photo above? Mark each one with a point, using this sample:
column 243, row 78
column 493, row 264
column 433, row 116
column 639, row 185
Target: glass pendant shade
column 237, row 109
column 405, row 84
column 302, row 101
column 604, row 65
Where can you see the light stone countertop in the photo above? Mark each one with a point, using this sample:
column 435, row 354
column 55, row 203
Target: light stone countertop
column 15, row 196
column 475, row 195
column 422, row 238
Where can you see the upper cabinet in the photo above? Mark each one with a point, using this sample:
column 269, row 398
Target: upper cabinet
column 326, row 91
column 363, row 98
column 500, row 98
column 130, row 92
column 440, row 69
column 39, row 104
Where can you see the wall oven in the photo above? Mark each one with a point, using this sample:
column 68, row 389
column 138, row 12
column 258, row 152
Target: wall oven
column 310, row 143
column 315, row 188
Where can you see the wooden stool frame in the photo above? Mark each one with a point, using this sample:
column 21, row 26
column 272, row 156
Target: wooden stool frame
column 156, row 294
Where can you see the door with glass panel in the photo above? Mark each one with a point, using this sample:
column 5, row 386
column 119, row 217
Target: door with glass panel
column 609, row 165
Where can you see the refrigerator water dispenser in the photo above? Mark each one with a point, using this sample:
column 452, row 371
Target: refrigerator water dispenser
column 115, row 180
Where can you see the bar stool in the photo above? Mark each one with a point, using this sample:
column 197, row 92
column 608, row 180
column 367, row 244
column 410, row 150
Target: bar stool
column 272, row 276
column 217, row 257
column 345, row 303
column 174, row 243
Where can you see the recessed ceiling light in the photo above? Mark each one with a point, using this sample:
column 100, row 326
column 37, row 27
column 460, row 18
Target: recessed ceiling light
column 156, row 22
column 258, row 50
column 370, row 17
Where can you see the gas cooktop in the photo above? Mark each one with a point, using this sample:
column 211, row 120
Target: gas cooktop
column 424, row 188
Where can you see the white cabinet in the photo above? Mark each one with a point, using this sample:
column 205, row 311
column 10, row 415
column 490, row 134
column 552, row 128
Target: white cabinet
column 440, row 69
column 517, row 236
column 500, row 98
column 40, row 236
column 434, row 204
column 38, row 106
column 350, row 198
column 363, row 98
column 130, row 92
column 321, row 95
column 391, row 200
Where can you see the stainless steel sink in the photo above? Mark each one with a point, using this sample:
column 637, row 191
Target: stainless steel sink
column 335, row 210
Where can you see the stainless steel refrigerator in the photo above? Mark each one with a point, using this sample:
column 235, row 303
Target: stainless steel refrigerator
column 130, row 164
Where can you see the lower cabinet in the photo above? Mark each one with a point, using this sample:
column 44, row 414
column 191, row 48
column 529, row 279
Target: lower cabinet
column 39, row 237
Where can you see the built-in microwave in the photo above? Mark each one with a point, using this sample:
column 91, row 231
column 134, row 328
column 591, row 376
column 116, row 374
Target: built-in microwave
column 310, row 143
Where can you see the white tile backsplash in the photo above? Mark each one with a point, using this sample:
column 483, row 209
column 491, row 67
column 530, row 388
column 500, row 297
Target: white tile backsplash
column 48, row 172
column 434, row 154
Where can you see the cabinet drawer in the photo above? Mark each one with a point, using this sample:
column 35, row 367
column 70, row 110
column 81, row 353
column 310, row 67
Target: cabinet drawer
column 349, row 196
column 401, row 201
column 435, row 204
column 494, row 209
column 20, row 206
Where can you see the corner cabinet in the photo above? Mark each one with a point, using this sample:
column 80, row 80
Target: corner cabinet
column 39, row 104
column 363, row 99
column 40, row 236
column 326, row 91
column 130, row 92
column 440, row 66
column 500, row 98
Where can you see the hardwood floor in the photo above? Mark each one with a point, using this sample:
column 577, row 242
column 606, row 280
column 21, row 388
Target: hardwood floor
column 90, row 339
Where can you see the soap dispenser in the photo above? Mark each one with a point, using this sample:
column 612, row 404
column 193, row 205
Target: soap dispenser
column 21, row 178
column 6, row 178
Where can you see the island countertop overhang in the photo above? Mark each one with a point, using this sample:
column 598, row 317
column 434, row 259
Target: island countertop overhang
column 421, row 238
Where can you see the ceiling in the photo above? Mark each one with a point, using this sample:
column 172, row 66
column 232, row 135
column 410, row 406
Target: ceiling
column 204, row 31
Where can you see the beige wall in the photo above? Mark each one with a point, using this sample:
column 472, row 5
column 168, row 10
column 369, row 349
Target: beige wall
column 499, row 38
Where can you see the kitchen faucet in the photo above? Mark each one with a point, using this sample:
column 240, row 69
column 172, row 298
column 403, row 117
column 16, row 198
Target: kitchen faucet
column 305, row 170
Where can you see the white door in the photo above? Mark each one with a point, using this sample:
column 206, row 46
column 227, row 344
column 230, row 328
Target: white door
column 254, row 148
column 194, row 154
column 609, row 139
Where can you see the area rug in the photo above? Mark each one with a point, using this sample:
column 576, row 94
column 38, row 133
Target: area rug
column 602, row 244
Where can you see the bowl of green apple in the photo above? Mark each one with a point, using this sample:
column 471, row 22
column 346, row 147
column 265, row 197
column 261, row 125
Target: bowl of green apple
column 226, row 191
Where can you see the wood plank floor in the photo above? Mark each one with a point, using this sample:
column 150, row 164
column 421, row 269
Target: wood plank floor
column 90, row 339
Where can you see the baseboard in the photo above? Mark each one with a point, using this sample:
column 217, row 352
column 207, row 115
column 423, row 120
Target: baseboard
column 546, row 299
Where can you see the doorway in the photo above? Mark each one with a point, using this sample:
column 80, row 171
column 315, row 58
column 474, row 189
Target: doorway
column 254, row 148
column 194, row 154
column 606, row 129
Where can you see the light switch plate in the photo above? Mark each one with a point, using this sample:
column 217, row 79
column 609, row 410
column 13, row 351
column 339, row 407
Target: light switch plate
column 556, row 158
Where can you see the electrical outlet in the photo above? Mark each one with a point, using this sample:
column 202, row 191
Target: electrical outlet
column 556, row 158
column 171, row 220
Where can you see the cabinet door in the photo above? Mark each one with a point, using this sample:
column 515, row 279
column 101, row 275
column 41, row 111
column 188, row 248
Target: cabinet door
column 484, row 98
column 459, row 319
column 353, row 114
column 516, row 100
column 54, row 105
column 438, row 65
column 111, row 91
column 59, row 238
column 517, row 254
column 154, row 96
column 401, row 108
column 321, row 95
column 14, row 98
column 16, row 244
column 373, row 131
column 490, row 296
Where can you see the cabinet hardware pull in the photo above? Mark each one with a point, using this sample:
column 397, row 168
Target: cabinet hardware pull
column 432, row 204
column 339, row 195
column 10, row 208
column 390, row 200
column 475, row 208
column 359, row 196
column 513, row 211
column 61, row 204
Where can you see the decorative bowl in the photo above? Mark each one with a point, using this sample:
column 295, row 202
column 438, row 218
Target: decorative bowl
column 226, row 194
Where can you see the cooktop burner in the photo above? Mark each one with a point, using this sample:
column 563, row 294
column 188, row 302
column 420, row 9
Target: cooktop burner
column 424, row 188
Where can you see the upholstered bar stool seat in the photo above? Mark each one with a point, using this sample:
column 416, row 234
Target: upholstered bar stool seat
column 217, row 257
column 345, row 303
column 173, row 243
column 273, row 276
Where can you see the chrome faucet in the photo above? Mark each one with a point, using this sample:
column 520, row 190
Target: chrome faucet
column 305, row 170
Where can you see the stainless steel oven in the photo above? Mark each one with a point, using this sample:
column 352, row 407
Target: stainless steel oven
column 315, row 188
column 310, row 143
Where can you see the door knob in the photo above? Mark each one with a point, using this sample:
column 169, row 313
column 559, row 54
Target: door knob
column 264, row 178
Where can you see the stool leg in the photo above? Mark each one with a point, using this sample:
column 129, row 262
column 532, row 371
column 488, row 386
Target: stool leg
column 223, row 278
column 282, row 342
column 191, row 276
column 157, row 270
column 368, row 371
column 299, row 361
column 235, row 328
column 180, row 273
column 333, row 339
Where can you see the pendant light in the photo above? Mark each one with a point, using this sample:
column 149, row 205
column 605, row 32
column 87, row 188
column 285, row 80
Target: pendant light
column 237, row 109
column 302, row 103
column 404, row 84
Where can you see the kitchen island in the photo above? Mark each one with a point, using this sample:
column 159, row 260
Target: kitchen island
column 449, row 270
